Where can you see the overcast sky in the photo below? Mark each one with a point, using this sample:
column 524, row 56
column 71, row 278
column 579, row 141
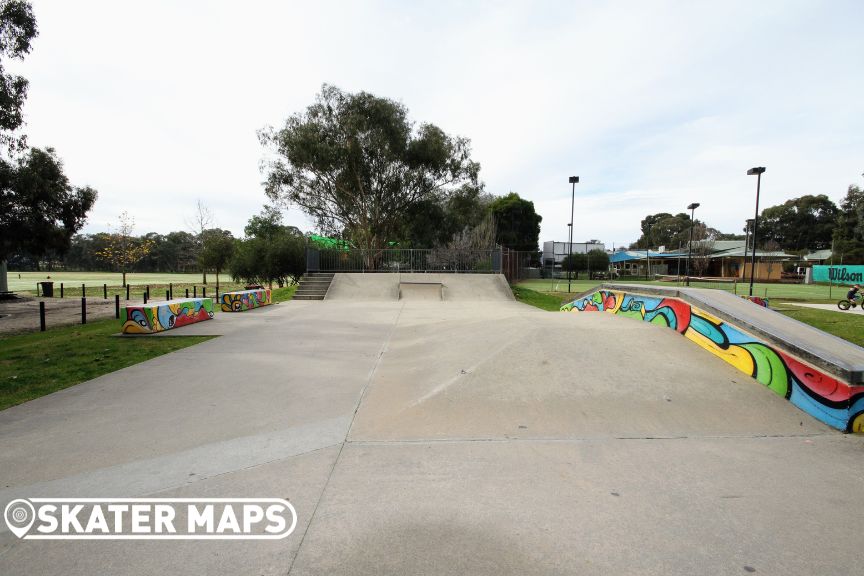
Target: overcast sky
column 653, row 104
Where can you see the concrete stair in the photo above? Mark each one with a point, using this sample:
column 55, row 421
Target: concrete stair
column 313, row 286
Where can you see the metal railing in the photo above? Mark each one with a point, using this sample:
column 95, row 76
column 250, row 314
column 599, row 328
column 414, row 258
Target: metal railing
column 404, row 260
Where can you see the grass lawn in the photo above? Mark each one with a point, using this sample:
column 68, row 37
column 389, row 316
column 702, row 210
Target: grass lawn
column 283, row 294
column 33, row 365
column 850, row 327
column 158, row 282
column 799, row 292
column 539, row 299
column 36, row 364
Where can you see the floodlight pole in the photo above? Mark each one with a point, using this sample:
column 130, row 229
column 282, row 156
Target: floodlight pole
column 692, row 207
column 573, row 180
column 758, row 171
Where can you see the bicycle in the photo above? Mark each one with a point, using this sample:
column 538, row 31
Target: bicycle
column 846, row 304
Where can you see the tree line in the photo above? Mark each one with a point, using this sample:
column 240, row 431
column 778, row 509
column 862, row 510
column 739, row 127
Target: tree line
column 40, row 209
column 272, row 252
column 797, row 226
column 359, row 167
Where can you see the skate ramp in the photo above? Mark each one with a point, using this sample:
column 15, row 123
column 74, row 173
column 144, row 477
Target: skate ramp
column 817, row 372
column 428, row 291
column 385, row 287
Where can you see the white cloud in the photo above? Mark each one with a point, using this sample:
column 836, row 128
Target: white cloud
column 653, row 104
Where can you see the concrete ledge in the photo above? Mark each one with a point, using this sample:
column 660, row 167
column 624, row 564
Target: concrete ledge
column 819, row 373
column 243, row 300
column 421, row 291
column 161, row 316
column 384, row 286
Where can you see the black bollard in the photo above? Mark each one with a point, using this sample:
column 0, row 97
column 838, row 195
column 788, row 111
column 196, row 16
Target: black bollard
column 41, row 316
column 145, row 297
column 127, row 292
column 83, row 291
column 171, row 290
column 203, row 292
column 187, row 292
column 167, row 295
column 61, row 289
column 194, row 291
column 104, row 291
column 117, row 306
column 83, row 310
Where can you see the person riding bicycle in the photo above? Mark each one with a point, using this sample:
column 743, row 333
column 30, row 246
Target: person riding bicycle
column 852, row 295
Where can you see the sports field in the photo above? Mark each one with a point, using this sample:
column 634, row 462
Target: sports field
column 26, row 281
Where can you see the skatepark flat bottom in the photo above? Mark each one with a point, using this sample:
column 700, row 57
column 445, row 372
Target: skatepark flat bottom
column 460, row 437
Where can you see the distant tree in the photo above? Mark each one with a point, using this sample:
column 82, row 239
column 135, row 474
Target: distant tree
column 848, row 236
column 594, row 261
column 216, row 250
column 664, row 229
column 39, row 210
column 703, row 248
column 598, row 260
column 202, row 220
column 271, row 252
column 424, row 225
column 152, row 262
column 805, row 223
column 178, row 253
column 435, row 221
column 518, row 224
column 466, row 207
column 17, row 30
column 356, row 164
column 124, row 250
column 728, row 236
column 770, row 258
column 574, row 263
column 468, row 249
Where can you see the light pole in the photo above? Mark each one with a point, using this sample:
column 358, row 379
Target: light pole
column 758, row 171
column 573, row 180
column 748, row 225
column 692, row 207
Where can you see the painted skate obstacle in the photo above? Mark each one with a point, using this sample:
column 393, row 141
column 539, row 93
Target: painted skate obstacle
column 819, row 373
column 160, row 316
column 243, row 300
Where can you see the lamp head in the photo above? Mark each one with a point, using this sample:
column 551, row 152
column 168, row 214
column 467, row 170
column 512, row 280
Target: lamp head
column 693, row 206
column 757, row 170
column 574, row 180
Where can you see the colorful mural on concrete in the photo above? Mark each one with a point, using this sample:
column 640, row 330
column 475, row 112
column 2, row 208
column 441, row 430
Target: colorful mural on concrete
column 161, row 316
column 245, row 300
column 832, row 401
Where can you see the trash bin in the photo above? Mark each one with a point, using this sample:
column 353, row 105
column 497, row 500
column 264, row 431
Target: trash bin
column 47, row 289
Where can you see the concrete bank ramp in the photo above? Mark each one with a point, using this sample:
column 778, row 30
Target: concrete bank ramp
column 819, row 373
column 390, row 287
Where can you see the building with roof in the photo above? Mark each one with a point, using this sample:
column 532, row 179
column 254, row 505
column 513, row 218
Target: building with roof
column 721, row 259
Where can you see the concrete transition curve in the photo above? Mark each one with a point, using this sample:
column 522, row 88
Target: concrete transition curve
column 819, row 373
column 386, row 287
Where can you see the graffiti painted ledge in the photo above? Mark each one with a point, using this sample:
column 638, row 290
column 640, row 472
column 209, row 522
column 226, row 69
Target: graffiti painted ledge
column 160, row 316
column 819, row 373
column 243, row 300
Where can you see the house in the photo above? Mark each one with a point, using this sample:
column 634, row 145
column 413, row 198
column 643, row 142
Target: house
column 718, row 259
column 730, row 259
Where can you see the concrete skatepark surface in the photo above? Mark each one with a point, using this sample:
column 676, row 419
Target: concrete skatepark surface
column 456, row 437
